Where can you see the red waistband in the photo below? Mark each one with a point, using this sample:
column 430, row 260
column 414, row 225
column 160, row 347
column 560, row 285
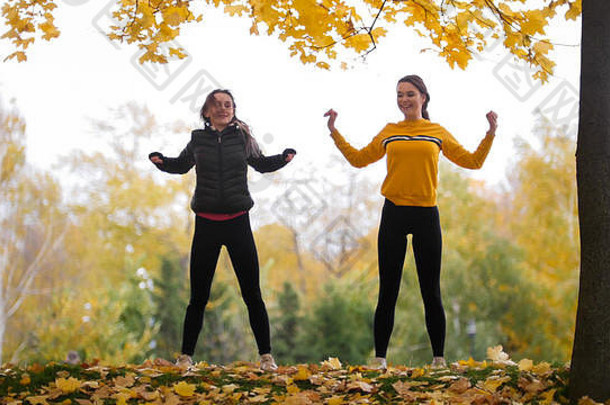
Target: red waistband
column 220, row 217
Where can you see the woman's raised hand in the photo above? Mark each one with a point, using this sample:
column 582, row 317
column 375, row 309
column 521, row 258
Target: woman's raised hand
column 492, row 118
column 332, row 116
column 156, row 158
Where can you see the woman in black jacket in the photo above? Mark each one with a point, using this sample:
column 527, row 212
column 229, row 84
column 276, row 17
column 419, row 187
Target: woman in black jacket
column 221, row 153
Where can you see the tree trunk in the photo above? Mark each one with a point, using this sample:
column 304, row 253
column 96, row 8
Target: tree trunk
column 590, row 370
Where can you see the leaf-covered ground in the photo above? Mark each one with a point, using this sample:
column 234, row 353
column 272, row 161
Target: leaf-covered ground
column 498, row 381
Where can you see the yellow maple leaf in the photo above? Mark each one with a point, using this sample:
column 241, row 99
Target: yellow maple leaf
column 418, row 372
column 543, row 47
column 49, row 29
column 122, row 398
column 535, row 22
column 38, row 400
column 332, row 363
column 496, row 353
column 67, row 385
column 292, row 389
column 492, row 383
column 574, row 11
column 359, row 42
column 541, row 368
column 335, row 400
column 302, row 375
column 229, row 388
column 547, row 396
column 184, row 389
column 525, row 365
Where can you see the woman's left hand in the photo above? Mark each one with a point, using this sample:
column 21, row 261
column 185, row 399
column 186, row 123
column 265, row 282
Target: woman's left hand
column 492, row 118
column 288, row 154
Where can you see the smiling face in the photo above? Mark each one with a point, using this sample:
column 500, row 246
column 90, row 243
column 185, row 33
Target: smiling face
column 220, row 111
column 410, row 100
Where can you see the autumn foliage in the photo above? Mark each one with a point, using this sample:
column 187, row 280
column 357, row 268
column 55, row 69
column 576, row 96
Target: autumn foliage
column 318, row 32
column 494, row 381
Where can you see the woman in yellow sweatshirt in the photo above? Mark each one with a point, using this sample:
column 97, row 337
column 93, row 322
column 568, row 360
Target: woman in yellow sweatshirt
column 412, row 147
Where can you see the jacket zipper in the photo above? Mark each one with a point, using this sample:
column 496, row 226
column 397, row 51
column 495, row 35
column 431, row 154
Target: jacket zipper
column 220, row 179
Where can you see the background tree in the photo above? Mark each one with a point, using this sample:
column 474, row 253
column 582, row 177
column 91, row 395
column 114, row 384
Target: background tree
column 170, row 299
column 340, row 323
column 287, row 325
column 32, row 223
column 544, row 224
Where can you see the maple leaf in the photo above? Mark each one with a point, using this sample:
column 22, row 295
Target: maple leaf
column 547, row 396
column 229, row 388
column 67, row 385
column 525, row 365
column 335, row 400
column 302, row 375
column 541, row 368
column 497, row 354
column 332, row 363
column 292, row 389
column 184, row 389
column 37, row 400
column 124, row 382
column 460, row 386
column 574, row 11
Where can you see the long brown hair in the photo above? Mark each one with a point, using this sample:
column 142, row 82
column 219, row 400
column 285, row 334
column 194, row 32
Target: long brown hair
column 252, row 148
column 418, row 82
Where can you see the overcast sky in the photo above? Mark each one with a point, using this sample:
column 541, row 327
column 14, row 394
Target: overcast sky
column 81, row 74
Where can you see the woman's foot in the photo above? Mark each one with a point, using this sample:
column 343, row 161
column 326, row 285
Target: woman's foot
column 267, row 362
column 438, row 363
column 379, row 363
column 184, row 361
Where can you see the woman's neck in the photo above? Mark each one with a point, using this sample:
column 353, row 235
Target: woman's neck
column 413, row 118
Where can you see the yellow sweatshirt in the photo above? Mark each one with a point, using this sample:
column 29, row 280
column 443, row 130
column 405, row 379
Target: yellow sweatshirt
column 413, row 151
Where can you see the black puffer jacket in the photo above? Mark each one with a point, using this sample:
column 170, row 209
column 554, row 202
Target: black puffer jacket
column 221, row 163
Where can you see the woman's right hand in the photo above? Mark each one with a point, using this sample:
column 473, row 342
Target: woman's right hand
column 332, row 116
column 156, row 158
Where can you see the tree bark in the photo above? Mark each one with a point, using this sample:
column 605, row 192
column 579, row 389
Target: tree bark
column 590, row 368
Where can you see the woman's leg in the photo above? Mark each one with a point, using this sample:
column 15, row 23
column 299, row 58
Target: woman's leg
column 427, row 248
column 204, row 257
column 244, row 257
column 391, row 249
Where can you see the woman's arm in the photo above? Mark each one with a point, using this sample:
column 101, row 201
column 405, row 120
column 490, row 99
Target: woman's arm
column 356, row 157
column 178, row 165
column 266, row 164
column 471, row 160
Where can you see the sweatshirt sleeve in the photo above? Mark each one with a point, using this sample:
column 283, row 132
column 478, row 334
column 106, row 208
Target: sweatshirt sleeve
column 266, row 164
column 178, row 165
column 469, row 160
column 359, row 157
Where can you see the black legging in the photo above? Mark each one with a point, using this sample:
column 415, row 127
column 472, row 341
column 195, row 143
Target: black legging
column 210, row 236
column 396, row 223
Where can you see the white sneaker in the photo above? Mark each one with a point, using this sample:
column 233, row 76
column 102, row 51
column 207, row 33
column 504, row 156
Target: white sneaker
column 184, row 361
column 378, row 363
column 267, row 362
column 438, row 363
